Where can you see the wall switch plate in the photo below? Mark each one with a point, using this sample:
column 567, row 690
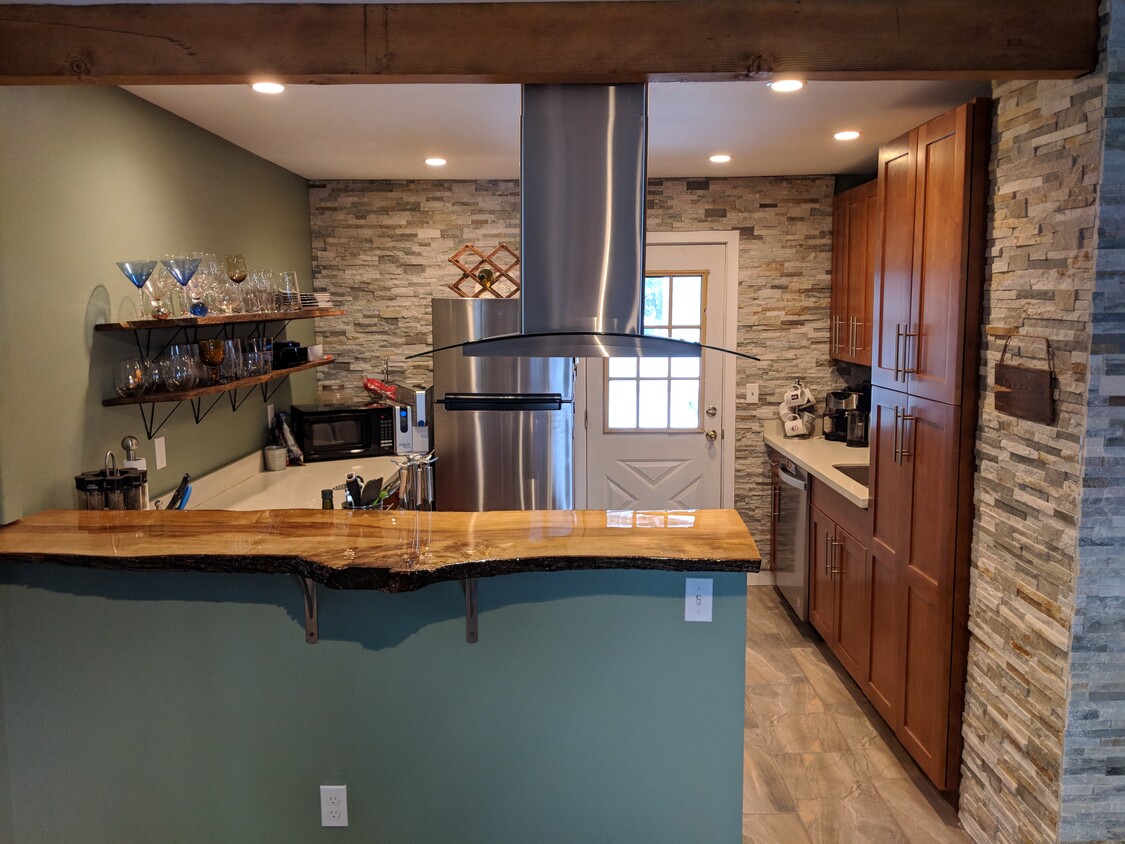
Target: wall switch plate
column 161, row 454
column 697, row 599
column 333, row 805
column 269, row 416
column 751, row 393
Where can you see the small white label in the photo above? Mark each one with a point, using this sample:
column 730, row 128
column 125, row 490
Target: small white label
column 161, row 454
column 697, row 599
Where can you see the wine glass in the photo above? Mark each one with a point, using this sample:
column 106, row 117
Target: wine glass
column 129, row 377
column 182, row 268
column 138, row 273
column 212, row 353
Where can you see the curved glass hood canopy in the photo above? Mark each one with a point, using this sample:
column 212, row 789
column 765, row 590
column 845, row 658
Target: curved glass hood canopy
column 582, row 228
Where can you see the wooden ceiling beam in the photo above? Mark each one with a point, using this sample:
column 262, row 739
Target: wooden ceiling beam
column 599, row 41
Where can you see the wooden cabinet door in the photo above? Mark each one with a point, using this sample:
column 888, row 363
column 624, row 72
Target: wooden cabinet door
column 891, row 516
column 932, row 346
column 839, row 302
column 863, row 294
column 822, row 587
column 853, row 268
column 894, row 258
column 853, row 611
column 929, row 441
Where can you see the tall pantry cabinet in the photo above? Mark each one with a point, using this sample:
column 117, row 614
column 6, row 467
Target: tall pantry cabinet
column 929, row 261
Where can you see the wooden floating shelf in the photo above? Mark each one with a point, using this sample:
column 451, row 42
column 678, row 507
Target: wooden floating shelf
column 225, row 319
column 214, row 389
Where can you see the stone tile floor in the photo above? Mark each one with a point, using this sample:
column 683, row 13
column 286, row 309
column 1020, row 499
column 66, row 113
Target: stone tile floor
column 819, row 763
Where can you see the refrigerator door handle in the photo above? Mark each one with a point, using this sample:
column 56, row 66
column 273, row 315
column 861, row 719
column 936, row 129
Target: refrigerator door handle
column 503, row 401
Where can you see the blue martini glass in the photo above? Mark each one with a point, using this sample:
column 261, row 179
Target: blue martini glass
column 182, row 268
column 138, row 273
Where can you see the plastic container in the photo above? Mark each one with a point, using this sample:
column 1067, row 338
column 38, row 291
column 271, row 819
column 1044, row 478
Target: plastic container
column 275, row 458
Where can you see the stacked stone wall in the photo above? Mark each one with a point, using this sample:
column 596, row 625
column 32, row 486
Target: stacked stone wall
column 1046, row 168
column 381, row 250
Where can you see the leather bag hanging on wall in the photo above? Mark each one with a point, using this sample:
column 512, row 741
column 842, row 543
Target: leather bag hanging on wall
column 1026, row 392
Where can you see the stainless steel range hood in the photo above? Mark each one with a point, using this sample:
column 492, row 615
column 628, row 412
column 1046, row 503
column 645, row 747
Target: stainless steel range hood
column 582, row 227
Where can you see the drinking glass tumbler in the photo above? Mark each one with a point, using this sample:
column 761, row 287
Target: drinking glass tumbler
column 129, row 377
column 289, row 293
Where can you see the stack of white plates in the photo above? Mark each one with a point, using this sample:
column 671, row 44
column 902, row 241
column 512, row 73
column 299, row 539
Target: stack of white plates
column 315, row 300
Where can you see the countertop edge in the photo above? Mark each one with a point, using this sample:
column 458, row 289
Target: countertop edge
column 854, row 492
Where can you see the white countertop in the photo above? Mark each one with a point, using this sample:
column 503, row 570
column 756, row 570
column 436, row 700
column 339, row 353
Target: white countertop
column 818, row 456
column 246, row 485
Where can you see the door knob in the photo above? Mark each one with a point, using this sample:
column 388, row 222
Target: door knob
column 711, row 435
column 712, row 410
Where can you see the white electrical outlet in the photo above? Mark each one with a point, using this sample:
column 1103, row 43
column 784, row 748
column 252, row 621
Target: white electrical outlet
column 269, row 415
column 751, row 393
column 161, row 454
column 333, row 805
column 697, row 599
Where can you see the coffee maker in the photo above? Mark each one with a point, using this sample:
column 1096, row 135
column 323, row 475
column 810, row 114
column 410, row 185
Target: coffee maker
column 845, row 416
column 836, row 406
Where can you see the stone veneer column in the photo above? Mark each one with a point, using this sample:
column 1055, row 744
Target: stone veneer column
column 1046, row 157
column 381, row 250
column 1093, row 784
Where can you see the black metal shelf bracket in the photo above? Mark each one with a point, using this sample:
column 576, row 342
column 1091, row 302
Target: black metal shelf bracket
column 469, row 587
column 150, row 417
column 197, row 403
column 308, row 598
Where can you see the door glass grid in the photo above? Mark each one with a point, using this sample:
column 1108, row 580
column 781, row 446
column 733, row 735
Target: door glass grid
column 661, row 394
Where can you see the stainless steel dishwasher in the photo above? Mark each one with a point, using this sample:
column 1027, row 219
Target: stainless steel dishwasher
column 790, row 559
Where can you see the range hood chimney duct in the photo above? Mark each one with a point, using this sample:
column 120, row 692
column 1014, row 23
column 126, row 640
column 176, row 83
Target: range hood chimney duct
column 582, row 227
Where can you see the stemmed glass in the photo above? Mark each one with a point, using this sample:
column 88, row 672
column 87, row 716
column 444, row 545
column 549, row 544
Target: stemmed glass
column 235, row 265
column 212, row 353
column 182, row 268
column 138, row 273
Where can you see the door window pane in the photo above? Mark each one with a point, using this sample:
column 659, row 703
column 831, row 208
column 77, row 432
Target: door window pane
column 661, row 393
column 657, row 304
column 621, row 404
column 653, row 404
column 687, row 300
column 684, row 403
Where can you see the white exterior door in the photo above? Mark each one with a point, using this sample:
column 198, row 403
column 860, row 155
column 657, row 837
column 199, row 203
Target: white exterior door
column 659, row 431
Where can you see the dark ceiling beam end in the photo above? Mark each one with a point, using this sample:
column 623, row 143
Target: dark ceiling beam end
column 602, row 41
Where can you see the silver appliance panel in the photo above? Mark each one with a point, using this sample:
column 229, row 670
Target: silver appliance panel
column 496, row 447
column 791, row 555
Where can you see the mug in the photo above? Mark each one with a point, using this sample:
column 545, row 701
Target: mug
column 793, row 425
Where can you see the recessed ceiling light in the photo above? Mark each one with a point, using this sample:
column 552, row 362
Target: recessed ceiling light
column 268, row 87
column 850, row 135
column 785, row 86
column 436, row 162
column 720, row 159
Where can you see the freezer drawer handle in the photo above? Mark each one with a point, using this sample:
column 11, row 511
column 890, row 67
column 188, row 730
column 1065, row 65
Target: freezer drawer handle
column 503, row 401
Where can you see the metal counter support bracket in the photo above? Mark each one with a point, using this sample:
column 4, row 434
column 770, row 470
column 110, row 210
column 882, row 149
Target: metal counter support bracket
column 469, row 587
column 308, row 595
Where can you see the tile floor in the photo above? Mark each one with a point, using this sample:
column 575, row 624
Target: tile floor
column 819, row 764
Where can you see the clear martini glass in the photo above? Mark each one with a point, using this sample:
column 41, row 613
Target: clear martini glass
column 182, row 268
column 138, row 273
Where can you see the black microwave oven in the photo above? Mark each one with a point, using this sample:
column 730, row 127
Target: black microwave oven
column 339, row 433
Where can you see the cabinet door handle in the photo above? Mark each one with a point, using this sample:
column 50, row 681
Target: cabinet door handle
column 855, row 335
column 859, row 323
column 898, row 344
column 837, row 569
column 902, row 452
column 917, row 335
column 835, row 333
column 898, row 416
column 827, row 554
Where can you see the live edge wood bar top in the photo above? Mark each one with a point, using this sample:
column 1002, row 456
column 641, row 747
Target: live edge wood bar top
column 393, row 551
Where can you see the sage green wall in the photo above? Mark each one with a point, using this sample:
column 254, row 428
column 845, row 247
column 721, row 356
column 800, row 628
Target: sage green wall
column 91, row 175
column 188, row 708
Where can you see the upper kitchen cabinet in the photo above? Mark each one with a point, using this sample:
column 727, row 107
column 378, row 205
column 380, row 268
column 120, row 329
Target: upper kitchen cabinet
column 929, row 254
column 853, row 273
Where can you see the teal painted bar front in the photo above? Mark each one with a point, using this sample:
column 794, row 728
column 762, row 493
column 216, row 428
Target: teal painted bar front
column 187, row 707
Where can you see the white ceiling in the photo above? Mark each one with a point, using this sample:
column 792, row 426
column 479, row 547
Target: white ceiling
column 385, row 131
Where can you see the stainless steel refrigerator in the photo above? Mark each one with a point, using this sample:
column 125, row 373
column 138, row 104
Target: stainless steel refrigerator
column 503, row 427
